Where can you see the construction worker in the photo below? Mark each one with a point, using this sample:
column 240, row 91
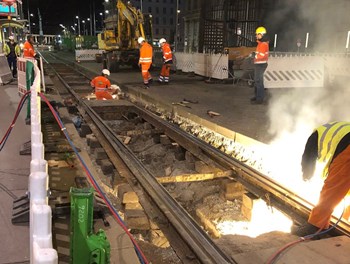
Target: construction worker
column 102, row 86
column 261, row 56
column 145, row 61
column 28, row 48
column 167, row 61
column 12, row 51
column 328, row 146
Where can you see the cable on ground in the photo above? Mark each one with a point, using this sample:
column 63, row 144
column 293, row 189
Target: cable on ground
column 94, row 183
column 8, row 132
column 277, row 254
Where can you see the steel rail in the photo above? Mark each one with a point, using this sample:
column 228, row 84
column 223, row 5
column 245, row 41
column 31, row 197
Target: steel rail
column 253, row 180
column 194, row 236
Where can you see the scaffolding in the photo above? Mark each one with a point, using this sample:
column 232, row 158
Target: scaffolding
column 230, row 23
column 212, row 25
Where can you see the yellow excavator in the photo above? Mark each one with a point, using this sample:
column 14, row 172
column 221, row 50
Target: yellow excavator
column 124, row 24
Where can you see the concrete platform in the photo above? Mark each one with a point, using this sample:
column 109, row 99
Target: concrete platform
column 14, row 173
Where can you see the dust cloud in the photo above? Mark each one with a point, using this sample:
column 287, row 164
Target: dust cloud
column 326, row 21
column 295, row 112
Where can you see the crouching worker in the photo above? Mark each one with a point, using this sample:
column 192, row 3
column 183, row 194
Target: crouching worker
column 327, row 147
column 102, row 86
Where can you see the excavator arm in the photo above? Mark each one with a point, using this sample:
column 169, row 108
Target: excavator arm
column 124, row 25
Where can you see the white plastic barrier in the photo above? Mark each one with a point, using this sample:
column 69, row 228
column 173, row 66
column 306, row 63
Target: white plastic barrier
column 5, row 71
column 294, row 72
column 86, row 54
column 21, row 76
column 336, row 65
column 211, row 65
column 41, row 251
column 185, row 61
column 204, row 64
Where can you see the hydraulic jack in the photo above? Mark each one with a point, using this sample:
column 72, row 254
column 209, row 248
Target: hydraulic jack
column 86, row 247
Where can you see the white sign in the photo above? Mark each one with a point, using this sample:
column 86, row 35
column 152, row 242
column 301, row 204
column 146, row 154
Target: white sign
column 86, row 55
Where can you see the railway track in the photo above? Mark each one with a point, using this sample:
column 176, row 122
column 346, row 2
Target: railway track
column 196, row 239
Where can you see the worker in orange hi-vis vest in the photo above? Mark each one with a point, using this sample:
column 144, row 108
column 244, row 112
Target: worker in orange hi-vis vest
column 261, row 56
column 28, row 49
column 167, row 61
column 145, row 61
column 102, row 86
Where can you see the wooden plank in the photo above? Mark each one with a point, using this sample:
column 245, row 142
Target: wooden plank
column 194, row 177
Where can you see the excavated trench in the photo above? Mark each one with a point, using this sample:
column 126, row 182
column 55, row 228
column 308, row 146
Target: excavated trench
column 213, row 203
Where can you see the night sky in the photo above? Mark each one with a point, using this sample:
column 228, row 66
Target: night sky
column 56, row 12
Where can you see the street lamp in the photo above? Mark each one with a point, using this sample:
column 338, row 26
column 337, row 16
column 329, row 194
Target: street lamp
column 177, row 24
column 101, row 14
column 88, row 19
column 77, row 17
column 29, row 15
column 83, row 21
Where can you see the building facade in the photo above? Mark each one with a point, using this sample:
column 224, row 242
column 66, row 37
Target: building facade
column 167, row 17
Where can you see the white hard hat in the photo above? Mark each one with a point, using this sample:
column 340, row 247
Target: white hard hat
column 140, row 40
column 11, row 38
column 162, row 40
column 106, row 72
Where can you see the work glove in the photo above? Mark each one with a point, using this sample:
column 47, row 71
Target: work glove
column 252, row 55
column 308, row 173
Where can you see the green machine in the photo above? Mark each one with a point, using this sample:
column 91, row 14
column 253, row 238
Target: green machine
column 86, row 247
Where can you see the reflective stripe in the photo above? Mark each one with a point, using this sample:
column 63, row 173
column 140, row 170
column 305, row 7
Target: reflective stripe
column 146, row 59
column 260, row 62
column 101, row 89
column 329, row 136
column 330, row 140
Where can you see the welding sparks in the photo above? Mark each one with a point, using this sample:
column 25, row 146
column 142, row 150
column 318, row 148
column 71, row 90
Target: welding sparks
column 264, row 219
